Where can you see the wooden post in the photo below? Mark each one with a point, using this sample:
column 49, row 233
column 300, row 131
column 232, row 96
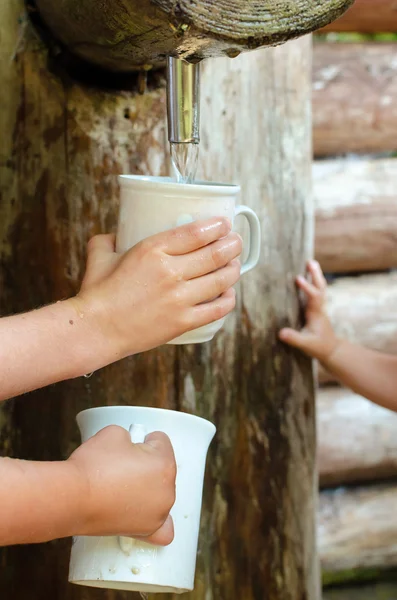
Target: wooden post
column 367, row 16
column 61, row 147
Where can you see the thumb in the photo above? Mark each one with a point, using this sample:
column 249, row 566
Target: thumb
column 163, row 536
column 102, row 243
column 293, row 338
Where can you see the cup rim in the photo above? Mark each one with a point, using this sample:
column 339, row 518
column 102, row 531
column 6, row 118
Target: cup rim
column 166, row 411
column 172, row 185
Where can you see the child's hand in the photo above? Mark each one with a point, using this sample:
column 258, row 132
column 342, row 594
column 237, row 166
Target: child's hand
column 317, row 338
column 162, row 287
column 126, row 489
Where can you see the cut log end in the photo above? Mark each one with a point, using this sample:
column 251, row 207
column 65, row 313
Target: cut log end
column 124, row 36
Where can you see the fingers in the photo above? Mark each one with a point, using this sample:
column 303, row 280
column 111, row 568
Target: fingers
column 210, row 258
column 163, row 536
column 203, row 314
column 292, row 338
column 193, row 236
column 213, row 285
column 317, row 275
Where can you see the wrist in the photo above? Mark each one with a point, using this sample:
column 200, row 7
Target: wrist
column 329, row 359
column 97, row 348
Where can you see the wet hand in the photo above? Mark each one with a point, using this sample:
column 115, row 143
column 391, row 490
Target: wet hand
column 126, row 489
column 317, row 338
column 166, row 285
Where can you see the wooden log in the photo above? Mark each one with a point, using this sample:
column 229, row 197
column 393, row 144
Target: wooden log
column 356, row 215
column 364, row 310
column 357, row 440
column 375, row 591
column 62, row 146
column 367, row 16
column 357, row 531
column 354, row 86
column 122, row 35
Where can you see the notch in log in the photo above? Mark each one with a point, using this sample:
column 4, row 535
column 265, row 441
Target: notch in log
column 125, row 35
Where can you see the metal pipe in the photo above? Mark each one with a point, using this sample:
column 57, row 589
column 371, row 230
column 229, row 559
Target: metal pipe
column 183, row 101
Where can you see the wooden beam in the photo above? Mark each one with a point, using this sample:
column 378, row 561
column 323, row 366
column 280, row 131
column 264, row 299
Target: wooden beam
column 354, row 92
column 367, row 16
column 122, row 35
column 364, row 310
column 374, row 591
column 357, row 440
column 356, row 215
column 357, row 531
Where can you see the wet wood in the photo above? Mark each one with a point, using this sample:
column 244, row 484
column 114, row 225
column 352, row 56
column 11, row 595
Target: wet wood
column 354, row 86
column 363, row 309
column 61, row 148
column 357, row 531
column 367, row 16
column 123, row 35
column 357, row 440
column 356, row 215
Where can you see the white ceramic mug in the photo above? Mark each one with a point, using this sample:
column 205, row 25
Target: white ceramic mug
column 123, row 563
column 150, row 205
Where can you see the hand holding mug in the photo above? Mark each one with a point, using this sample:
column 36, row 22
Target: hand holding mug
column 167, row 284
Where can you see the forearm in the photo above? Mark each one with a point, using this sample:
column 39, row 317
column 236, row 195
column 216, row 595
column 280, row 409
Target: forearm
column 39, row 501
column 367, row 372
column 47, row 345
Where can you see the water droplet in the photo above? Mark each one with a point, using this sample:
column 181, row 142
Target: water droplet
column 135, row 570
column 88, row 375
column 232, row 52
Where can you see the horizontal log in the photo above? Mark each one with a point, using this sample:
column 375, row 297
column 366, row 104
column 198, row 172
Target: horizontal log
column 354, row 87
column 357, row 440
column 367, row 16
column 375, row 591
column 357, row 531
column 363, row 309
column 356, row 214
column 122, row 35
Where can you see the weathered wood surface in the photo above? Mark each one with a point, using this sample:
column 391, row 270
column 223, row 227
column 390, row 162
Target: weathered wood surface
column 357, row 530
column 357, row 440
column 367, row 16
column 375, row 591
column 122, row 35
column 363, row 309
column 354, row 87
column 356, row 214
column 60, row 150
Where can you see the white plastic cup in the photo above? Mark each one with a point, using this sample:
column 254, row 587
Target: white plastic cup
column 150, row 205
column 121, row 563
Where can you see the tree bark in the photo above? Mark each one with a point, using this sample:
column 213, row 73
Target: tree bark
column 357, row 440
column 357, row 531
column 366, row 16
column 363, row 310
column 353, row 90
column 62, row 146
column 123, row 35
column 356, row 215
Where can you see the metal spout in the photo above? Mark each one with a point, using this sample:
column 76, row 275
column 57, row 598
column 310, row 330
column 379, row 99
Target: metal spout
column 183, row 101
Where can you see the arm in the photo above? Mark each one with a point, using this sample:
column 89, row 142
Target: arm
column 366, row 372
column 158, row 290
column 44, row 501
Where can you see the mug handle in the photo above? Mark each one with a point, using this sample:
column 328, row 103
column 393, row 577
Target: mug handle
column 137, row 434
column 255, row 237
